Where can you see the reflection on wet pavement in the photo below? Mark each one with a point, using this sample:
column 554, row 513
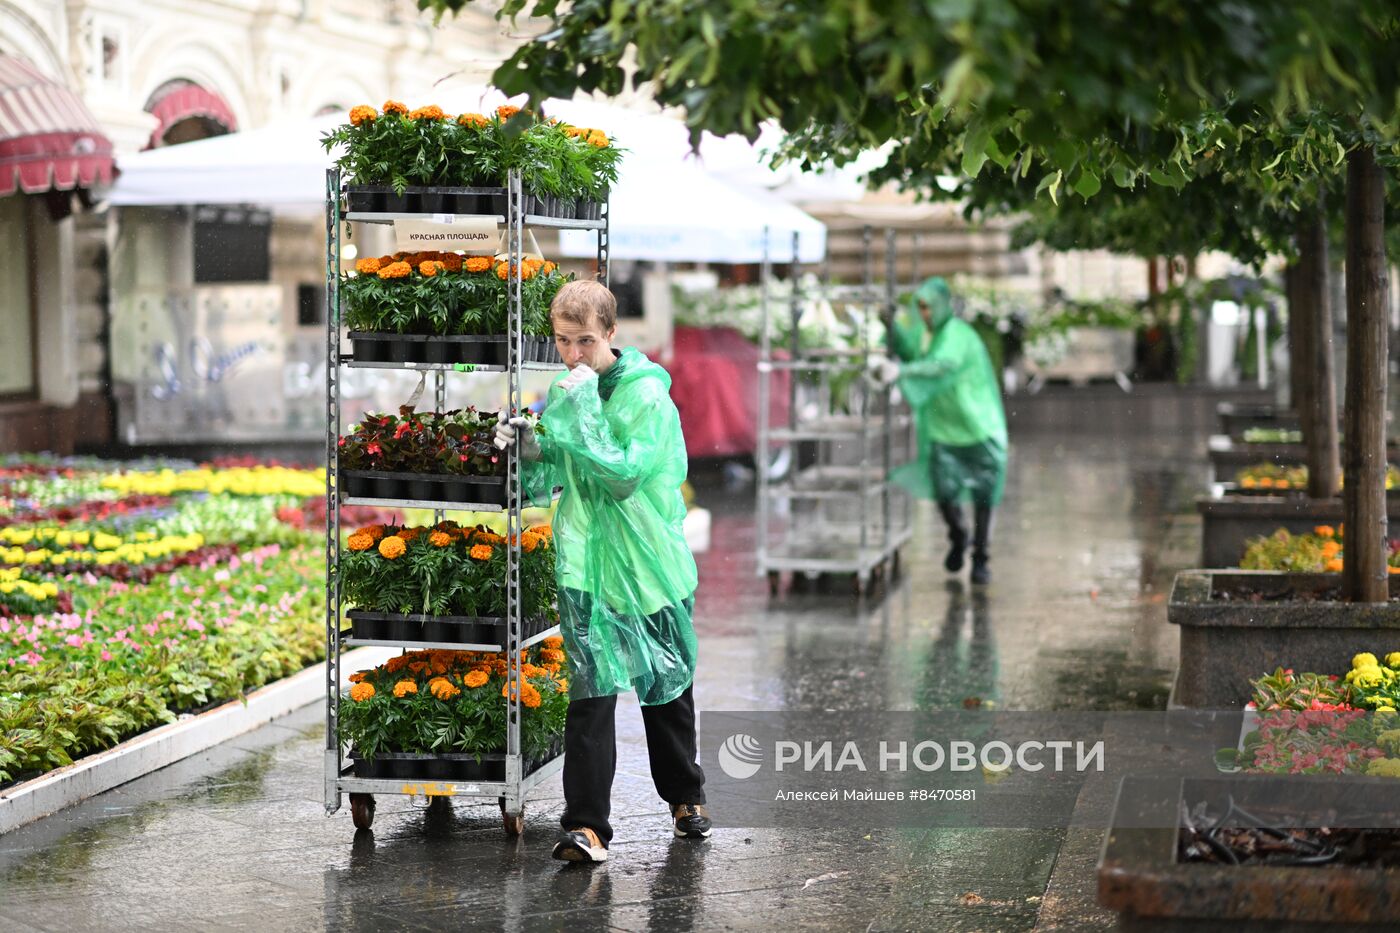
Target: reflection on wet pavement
column 237, row 838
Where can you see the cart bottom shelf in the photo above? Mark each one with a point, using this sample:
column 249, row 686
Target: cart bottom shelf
column 493, row 785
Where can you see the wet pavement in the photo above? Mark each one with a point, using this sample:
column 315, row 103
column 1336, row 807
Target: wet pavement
column 1085, row 548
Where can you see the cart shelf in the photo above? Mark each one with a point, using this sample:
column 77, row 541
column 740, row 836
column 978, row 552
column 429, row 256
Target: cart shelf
column 350, row 361
column 445, row 645
column 531, row 220
column 351, row 784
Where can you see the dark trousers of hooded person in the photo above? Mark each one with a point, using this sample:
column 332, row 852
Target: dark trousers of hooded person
column 590, row 758
column 959, row 471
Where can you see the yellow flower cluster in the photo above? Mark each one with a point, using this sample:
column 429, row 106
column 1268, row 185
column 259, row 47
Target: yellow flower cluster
column 238, row 481
column 10, row 582
column 1367, row 674
column 106, row 549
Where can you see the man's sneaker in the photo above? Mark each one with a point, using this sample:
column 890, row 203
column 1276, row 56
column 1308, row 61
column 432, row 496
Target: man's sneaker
column 581, row 845
column 691, row 820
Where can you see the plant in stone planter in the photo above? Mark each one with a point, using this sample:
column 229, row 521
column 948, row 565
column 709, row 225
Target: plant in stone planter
column 427, row 702
column 1273, row 476
column 446, row 570
column 1319, row 552
column 456, row 442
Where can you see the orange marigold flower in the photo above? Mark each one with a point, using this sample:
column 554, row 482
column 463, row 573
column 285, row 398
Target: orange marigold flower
column 563, row 687
column 361, row 692
column 503, row 271
column 598, row 138
column 418, row 667
column 544, row 531
column 551, row 654
column 430, row 112
column 404, row 687
column 574, row 132
column 392, row 547
column 486, row 537
column 374, row 531
column 397, row 663
column 362, row 114
column 367, row 266
column 360, row 542
column 439, row 539
column 442, row 688
column 410, row 534
column 530, row 695
column 451, row 262
column 472, row 119
column 430, row 268
column 529, row 542
column 475, row 679
column 553, row 641
column 548, row 267
column 481, row 552
column 477, row 263
column 506, row 111
column 357, row 677
column 1325, row 531
column 393, row 106
column 395, row 270
column 1333, row 566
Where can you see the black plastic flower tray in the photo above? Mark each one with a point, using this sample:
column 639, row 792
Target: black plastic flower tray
column 382, row 199
column 479, row 349
column 425, row 487
column 461, row 630
column 446, row 766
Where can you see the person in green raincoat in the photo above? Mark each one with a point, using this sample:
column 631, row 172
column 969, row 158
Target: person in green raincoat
column 611, row 437
column 946, row 376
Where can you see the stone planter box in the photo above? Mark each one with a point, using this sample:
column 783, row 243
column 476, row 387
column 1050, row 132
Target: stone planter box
column 1228, row 456
column 1142, row 878
column 1235, row 418
column 1227, row 641
column 1228, row 522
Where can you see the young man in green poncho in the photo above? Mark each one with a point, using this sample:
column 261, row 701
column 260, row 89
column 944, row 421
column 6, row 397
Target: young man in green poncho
column 611, row 436
column 946, row 376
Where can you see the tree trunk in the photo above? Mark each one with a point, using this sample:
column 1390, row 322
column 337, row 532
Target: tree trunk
column 1297, row 369
column 1317, row 413
column 1364, row 574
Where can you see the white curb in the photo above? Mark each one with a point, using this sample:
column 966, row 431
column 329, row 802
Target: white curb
column 150, row 751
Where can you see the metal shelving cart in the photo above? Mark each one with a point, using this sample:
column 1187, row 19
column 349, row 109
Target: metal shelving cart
column 838, row 513
column 339, row 778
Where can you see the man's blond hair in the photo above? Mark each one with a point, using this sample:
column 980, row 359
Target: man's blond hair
column 584, row 301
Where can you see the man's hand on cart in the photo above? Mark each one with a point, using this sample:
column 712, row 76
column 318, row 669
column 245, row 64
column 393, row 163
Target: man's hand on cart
column 577, row 377
column 882, row 370
column 507, row 430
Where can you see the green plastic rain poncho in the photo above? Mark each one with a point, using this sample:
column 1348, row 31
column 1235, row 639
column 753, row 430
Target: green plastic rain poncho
column 626, row 575
column 947, row 378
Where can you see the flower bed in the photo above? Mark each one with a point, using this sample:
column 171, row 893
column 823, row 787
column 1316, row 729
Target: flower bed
column 560, row 165
column 431, row 703
column 165, row 591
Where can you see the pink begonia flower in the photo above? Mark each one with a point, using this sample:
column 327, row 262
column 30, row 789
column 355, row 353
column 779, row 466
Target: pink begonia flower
column 234, row 563
column 74, row 641
column 106, row 655
column 194, row 625
column 120, row 587
column 32, row 658
column 259, row 589
column 150, row 628
column 4, row 625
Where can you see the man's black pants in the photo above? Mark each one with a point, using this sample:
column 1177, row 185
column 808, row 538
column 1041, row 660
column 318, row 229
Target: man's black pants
column 590, row 758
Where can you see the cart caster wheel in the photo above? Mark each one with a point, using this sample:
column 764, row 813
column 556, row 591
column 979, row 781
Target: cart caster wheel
column 362, row 810
column 514, row 823
column 775, row 583
column 895, row 567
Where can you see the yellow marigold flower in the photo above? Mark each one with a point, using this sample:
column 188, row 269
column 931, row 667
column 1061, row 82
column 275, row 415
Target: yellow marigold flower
column 393, row 106
column 430, row 268
column 361, row 692
column 1325, row 531
column 530, row 695
column 475, row 679
column 392, row 547
column 430, row 112
column 404, row 687
column 598, row 138
column 362, row 114
column 361, row 542
column 472, row 119
column 506, row 111
column 1393, row 659
column 439, row 539
column 367, row 266
column 575, row 132
column 563, row 687
column 1364, row 659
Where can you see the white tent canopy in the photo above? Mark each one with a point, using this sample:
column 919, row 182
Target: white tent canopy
column 665, row 206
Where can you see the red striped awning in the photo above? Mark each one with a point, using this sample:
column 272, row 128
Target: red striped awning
column 184, row 100
column 48, row 138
